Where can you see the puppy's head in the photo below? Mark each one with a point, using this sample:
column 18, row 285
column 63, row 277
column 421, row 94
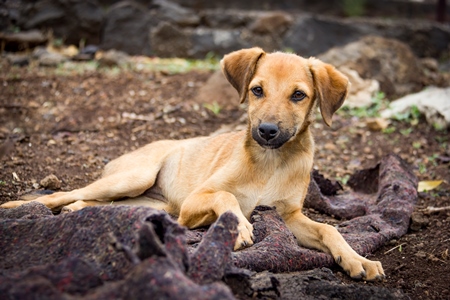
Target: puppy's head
column 282, row 90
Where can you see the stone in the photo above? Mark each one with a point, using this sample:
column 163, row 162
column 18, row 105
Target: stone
column 217, row 41
column 377, row 124
column 113, row 58
column 361, row 91
column 389, row 61
column 433, row 102
column 172, row 12
column 51, row 182
column 51, row 59
column 312, row 35
column 127, row 28
column 72, row 21
column 418, row 221
column 20, row 60
column 169, row 40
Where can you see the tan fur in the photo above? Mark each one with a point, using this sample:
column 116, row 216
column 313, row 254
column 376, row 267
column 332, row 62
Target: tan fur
column 199, row 179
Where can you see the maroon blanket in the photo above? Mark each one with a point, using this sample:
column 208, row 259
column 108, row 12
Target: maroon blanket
column 115, row 252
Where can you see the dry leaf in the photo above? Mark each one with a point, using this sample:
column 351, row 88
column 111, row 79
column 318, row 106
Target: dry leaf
column 377, row 124
column 428, row 185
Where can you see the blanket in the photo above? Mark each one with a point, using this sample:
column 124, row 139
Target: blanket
column 126, row 252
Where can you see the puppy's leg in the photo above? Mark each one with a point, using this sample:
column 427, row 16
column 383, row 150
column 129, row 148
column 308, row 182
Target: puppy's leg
column 204, row 208
column 130, row 183
column 327, row 239
column 139, row 201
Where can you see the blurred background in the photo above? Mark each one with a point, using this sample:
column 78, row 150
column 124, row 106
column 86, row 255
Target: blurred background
column 195, row 28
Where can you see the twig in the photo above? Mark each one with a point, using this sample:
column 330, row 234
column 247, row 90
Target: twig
column 398, row 246
column 431, row 209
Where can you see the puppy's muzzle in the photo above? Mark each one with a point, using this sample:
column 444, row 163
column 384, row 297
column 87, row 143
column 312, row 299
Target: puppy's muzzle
column 269, row 135
column 268, row 131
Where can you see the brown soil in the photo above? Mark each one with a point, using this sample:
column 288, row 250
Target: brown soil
column 71, row 124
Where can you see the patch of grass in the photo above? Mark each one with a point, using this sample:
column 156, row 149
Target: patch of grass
column 411, row 116
column 379, row 102
column 178, row 65
column 76, row 68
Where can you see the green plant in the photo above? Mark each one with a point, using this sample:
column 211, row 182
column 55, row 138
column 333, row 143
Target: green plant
column 354, row 8
column 411, row 116
column 379, row 101
column 214, row 107
column 343, row 179
column 389, row 130
column 422, row 168
column 406, row 131
column 417, row 145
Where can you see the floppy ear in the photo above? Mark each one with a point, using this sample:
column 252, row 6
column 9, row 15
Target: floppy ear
column 239, row 68
column 331, row 87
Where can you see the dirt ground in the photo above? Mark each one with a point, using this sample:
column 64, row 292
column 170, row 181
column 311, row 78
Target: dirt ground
column 70, row 123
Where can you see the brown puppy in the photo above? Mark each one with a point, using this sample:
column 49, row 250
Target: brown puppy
column 268, row 164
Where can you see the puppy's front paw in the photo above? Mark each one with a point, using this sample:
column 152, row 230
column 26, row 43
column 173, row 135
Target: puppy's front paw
column 245, row 236
column 13, row 204
column 66, row 209
column 358, row 267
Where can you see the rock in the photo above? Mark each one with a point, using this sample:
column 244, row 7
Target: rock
column 227, row 19
column 113, row 58
column 418, row 221
column 272, row 23
column 377, row 124
column 51, row 59
column 174, row 13
column 20, row 60
column 125, row 25
column 127, row 28
column 72, row 21
column 218, row 90
column 218, row 41
column 312, row 35
column 433, row 102
column 22, row 40
column 87, row 53
column 51, row 182
column 362, row 91
column 390, row 62
column 38, row 52
column 169, row 40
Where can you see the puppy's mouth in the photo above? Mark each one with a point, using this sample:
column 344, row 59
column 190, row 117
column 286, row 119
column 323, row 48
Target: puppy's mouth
column 272, row 142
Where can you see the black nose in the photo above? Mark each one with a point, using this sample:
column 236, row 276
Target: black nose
column 268, row 131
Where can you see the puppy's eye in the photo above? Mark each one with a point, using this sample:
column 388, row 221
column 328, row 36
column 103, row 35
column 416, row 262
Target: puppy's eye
column 257, row 91
column 298, row 96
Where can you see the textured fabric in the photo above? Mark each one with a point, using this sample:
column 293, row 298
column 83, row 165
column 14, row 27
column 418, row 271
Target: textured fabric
column 125, row 252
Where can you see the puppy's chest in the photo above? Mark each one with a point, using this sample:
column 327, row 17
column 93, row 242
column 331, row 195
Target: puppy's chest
column 269, row 193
